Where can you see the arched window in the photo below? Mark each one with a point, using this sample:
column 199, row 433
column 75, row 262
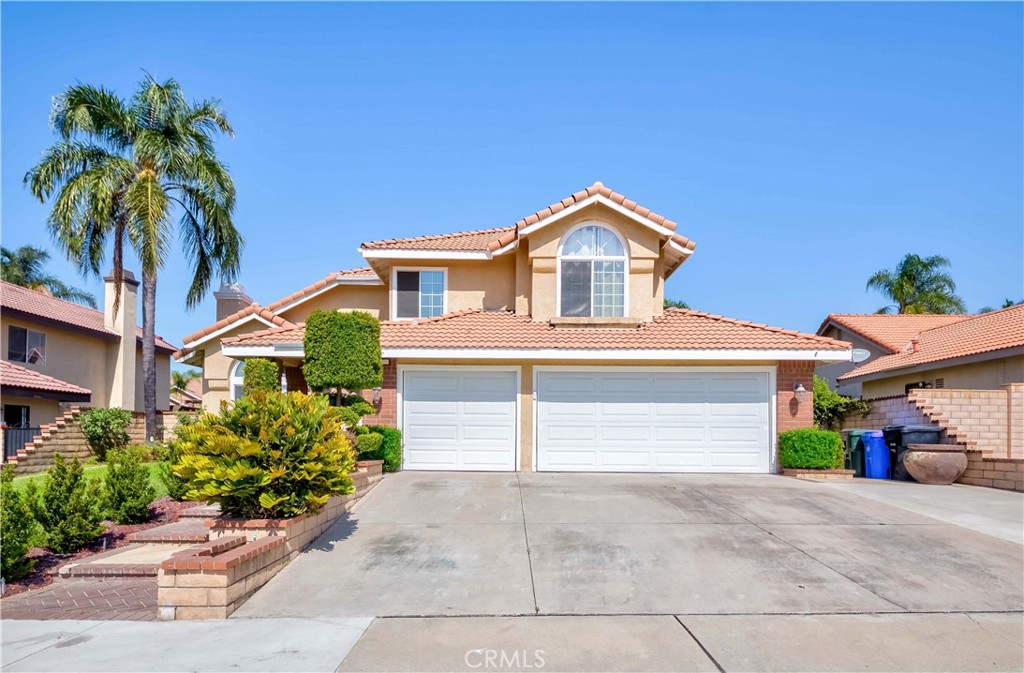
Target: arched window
column 592, row 273
column 238, row 380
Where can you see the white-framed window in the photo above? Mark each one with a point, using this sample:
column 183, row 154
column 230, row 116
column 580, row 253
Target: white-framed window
column 418, row 293
column 26, row 345
column 238, row 380
column 592, row 273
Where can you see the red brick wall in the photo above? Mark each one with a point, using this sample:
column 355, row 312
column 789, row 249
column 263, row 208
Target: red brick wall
column 387, row 410
column 790, row 413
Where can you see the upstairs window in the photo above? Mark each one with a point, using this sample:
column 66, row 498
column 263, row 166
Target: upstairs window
column 419, row 293
column 25, row 345
column 592, row 274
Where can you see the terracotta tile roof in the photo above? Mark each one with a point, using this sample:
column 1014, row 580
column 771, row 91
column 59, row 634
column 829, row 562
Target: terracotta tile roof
column 21, row 299
column 889, row 331
column 983, row 333
column 493, row 239
column 479, row 239
column 249, row 310
column 677, row 329
column 16, row 376
column 361, row 272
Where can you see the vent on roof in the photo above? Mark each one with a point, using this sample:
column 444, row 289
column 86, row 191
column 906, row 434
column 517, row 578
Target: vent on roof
column 940, row 383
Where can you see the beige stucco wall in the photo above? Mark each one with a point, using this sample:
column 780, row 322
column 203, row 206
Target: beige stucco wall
column 40, row 411
column 985, row 375
column 832, row 371
column 370, row 298
column 477, row 284
column 163, row 381
column 526, row 385
column 644, row 250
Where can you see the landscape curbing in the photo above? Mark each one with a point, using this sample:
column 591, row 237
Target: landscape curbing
column 211, row 580
column 818, row 475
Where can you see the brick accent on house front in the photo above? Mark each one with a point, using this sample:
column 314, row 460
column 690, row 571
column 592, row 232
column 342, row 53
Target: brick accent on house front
column 387, row 410
column 790, row 412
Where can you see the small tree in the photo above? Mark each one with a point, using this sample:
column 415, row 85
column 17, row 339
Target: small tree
column 105, row 429
column 342, row 351
column 831, row 408
column 16, row 529
column 127, row 488
column 261, row 374
column 70, row 509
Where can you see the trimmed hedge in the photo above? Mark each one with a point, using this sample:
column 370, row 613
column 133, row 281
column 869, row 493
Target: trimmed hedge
column 811, row 449
column 390, row 450
column 261, row 374
column 342, row 351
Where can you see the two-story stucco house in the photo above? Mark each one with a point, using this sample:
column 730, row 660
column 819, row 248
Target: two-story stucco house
column 56, row 353
column 543, row 345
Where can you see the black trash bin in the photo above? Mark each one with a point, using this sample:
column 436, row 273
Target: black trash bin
column 899, row 437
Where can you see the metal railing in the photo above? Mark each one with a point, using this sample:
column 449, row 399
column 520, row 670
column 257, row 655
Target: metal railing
column 15, row 439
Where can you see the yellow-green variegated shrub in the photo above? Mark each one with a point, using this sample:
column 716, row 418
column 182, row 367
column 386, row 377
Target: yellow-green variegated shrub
column 271, row 455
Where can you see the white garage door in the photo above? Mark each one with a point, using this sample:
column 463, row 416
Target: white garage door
column 459, row 419
column 653, row 421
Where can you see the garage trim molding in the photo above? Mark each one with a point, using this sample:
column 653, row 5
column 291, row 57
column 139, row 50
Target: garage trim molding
column 771, row 370
column 400, row 390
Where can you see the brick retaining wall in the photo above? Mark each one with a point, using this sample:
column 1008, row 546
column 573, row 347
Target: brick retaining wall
column 1002, row 473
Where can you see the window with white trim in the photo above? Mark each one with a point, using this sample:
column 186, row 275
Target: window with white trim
column 238, row 380
column 592, row 268
column 26, row 345
column 419, row 293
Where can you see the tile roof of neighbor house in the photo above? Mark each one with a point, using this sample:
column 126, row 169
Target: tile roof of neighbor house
column 251, row 309
column 975, row 335
column 33, row 303
column 493, row 239
column 677, row 329
column 889, row 331
column 16, row 376
column 361, row 272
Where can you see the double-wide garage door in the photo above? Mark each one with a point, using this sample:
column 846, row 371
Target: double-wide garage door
column 589, row 420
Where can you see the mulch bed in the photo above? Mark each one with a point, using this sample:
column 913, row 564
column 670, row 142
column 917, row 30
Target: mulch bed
column 163, row 510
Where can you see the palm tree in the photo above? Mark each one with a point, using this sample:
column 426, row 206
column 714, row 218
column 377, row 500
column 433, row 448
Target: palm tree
column 120, row 171
column 674, row 303
column 180, row 380
column 1006, row 304
column 24, row 267
column 918, row 285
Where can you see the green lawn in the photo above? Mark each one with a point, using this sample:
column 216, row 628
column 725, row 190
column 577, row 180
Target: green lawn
column 92, row 472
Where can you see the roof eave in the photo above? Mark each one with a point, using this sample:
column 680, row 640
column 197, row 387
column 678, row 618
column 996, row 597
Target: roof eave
column 934, row 364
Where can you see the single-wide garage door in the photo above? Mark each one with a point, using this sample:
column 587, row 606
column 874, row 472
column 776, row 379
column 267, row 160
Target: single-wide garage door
column 459, row 419
column 653, row 421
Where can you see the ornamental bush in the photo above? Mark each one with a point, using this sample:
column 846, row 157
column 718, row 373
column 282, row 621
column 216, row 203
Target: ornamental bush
column 341, row 351
column 17, row 528
column 69, row 509
column 177, row 488
column 811, row 449
column 390, row 450
column 126, row 487
column 104, row 429
column 831, row 408
column 368, row 443
column 270, row 455
column 358, row 404
column 261, row 374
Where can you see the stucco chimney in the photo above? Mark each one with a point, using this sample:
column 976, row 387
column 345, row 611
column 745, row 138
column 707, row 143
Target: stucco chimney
column 231, row 298
column 121, row 362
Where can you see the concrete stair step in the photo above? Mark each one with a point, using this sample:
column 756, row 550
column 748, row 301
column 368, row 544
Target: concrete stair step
column 200, row 512
column 110, row 570
column 191, row 530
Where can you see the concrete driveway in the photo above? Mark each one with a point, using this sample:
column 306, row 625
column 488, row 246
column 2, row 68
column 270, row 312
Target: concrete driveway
column 447, row 544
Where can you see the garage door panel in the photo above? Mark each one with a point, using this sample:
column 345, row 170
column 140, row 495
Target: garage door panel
column 459, row 419
column 672, row 421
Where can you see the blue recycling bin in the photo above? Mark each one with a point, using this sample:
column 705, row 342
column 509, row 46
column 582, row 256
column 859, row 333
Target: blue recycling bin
column 876, row 455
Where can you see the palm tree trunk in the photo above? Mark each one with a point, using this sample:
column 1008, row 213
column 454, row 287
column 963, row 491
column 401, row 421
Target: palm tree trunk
column 149, row 352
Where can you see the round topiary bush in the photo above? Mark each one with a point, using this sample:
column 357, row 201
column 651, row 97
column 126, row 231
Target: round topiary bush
column 811, row 449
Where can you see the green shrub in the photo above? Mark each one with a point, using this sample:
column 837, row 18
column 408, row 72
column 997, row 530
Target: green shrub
column 270, row 455
column 349, row 417
column 177, row 488
column 358, row 404
column 261, row 374
column 127, row 490
column 17, row 528
column 368, row 443
column 812, row 449
column 69, row 508
column 104, row 429
column 831, row 408
column 342, row 351
column 390, row 448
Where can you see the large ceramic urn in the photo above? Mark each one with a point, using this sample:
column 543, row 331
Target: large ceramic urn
column 935, row 463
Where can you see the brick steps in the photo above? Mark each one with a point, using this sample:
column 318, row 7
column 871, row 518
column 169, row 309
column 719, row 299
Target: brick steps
column 110, row 570
column 186, row 531
column 200, row 512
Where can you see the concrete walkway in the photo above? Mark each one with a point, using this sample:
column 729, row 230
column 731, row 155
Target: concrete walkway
column 986, row 510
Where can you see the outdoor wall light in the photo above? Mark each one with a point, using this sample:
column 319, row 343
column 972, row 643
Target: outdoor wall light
column 376, row 396
column 799, row 391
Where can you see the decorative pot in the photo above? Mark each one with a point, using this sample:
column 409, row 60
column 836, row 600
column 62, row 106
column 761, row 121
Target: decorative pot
column 935, row 463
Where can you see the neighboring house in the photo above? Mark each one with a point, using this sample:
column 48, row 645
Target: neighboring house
column 966, row 352
column 543, row 346
column 189, row 398
column 56, row 353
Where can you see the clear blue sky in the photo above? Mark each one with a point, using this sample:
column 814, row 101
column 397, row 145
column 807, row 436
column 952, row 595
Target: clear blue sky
column 803, row 146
